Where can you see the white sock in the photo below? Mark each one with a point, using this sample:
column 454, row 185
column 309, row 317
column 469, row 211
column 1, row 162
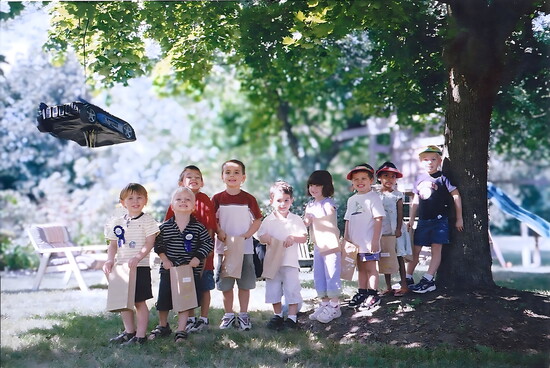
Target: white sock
column 229, row 315
column 409, row 276
column 292, row 317
column 192, row 319
column 324, row 304
column 428, row 277
column 279, row 314
column 205, row 319
column 333, row 304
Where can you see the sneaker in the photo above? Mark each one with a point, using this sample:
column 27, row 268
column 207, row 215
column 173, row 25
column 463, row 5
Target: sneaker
column 276, row 323
column 199, row 325
column 291, row 325
column 329, row 313
column 122, row 338
column 357, row 300
column 423, row 286
column 371, row 302
column 227, row 321
column 243, row 322
column 410, row 281
column 190, row 323
column 313, row 316
column 135, row 341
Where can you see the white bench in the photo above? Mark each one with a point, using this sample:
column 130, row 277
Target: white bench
column 58, row 253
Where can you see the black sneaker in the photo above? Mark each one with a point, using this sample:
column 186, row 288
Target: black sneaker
column 357, row 300
column 276, row 323
column 135, row 341
column 122, row 338
column 423, row 286
column 410, row 281
column 371, row 302
column 290, row 324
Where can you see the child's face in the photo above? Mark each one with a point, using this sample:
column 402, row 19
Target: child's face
column 192, row 179
column 430, row 161
column 388, row 180
column 232, row 175
column 134, row 203
column 316, row 191
column 183, row 202
column 361, row 182
column 281, row 202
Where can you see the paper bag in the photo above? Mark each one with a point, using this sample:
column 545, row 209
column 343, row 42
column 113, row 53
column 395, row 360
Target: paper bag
column 182, row 283
column 232, row 261
column 326, row 234
column 388, row 258
column 121, row 292
column 349, row 260
column 407, row 239
column 274, row 255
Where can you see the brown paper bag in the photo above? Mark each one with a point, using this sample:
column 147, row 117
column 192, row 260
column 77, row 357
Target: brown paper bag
column 121, row 292
column 326, row 234
column 349, row 260
column 182, row 283
column 274, row 255
column 388, row 258
column 232, row 261
column 410, row 240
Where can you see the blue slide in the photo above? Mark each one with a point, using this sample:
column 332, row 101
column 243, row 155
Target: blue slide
column 536, row 223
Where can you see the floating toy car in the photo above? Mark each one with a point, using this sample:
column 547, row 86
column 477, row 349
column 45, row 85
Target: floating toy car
column 84, row 123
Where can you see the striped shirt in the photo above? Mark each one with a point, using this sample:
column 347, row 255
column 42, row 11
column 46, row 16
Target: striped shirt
column 181, row 246
column 135, row 231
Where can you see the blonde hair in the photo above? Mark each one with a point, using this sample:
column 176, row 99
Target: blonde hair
column 133, row 188
column 183, row 189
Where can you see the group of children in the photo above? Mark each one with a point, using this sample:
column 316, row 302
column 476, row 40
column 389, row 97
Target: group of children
column 195, row 226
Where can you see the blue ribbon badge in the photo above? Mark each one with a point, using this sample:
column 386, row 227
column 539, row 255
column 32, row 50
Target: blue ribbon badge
column 187, row 242
column 119, row 232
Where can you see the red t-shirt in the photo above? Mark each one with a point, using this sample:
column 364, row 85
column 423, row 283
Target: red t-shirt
column 206, row 215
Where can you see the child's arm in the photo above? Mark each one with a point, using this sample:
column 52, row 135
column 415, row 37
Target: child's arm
column 399, row 205
column 377, row 233
column 412, row 211
column 166, row 262
column 291, row 239
column 346, row 231
column 111, row 252
column 144, row 251
column 253, row 228
column 458, row 208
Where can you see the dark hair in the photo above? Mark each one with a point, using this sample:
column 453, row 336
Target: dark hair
column 189, row 167
column 133, row 188
column 283, row 187
column 321, row 177
column 234, row 161
column 386, row 165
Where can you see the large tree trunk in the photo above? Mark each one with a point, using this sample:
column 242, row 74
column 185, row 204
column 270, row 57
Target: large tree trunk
column 475, row 59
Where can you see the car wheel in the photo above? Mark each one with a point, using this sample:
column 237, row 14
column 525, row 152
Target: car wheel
column 127, row 131
column 88, row 114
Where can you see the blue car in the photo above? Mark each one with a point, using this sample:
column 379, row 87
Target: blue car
column 84, row 123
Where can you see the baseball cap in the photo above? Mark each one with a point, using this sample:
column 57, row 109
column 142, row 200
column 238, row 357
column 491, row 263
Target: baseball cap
column 361, row 167
column 389, row 167
column 432, row 149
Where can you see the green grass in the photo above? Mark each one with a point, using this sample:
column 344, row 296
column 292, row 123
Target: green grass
column 81, row 341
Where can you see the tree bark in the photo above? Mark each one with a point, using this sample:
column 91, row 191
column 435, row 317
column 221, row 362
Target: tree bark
column 475, row 63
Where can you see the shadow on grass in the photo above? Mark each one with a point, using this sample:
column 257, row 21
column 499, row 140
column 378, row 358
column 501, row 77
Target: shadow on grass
column 82, row 341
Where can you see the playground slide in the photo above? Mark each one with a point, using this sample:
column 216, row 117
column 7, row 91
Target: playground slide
column 536, row 223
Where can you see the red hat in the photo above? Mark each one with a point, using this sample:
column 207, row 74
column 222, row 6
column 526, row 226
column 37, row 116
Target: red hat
column 389, row 167
column 362, row 167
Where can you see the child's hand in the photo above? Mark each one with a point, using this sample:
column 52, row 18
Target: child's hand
column 195, row 262
column 308, row 219
column 222, row 236
column 459, row 224
column 375, row 247
column 133, row 262
column 108, row 266
column 167, row 264
column 398, row 232
column 265, row 239
column 289, row 241
column 410, row 225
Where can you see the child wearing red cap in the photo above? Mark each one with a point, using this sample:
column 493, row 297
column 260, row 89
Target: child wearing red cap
column 364, row 214
column 392, row 224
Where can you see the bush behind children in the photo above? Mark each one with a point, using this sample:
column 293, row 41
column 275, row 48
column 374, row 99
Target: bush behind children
column 227, row 223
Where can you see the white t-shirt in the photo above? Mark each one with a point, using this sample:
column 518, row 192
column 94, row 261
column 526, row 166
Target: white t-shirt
column 281, row 228
column 389, row 200
column 361, row 211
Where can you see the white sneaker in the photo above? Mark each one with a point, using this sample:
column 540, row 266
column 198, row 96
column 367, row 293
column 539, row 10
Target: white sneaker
column 227, row 321
column 329, row 313
column 313, row 316
column 243, row 322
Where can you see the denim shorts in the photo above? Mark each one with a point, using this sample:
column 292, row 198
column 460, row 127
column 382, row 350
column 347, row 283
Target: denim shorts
column 207, row 280
column 433, row 231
